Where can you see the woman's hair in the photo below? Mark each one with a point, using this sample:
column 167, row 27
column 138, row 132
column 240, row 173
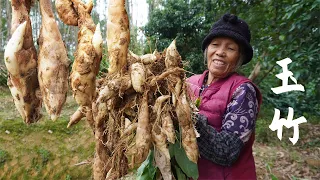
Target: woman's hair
column 241, row 58
column 205, row 57
column 239, row 62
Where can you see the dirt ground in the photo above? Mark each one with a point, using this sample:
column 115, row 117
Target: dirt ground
column 300, row 161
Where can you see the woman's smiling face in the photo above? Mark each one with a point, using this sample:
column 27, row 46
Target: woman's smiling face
column 223, row 54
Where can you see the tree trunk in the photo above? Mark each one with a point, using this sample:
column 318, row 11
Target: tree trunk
column 1, row 33
column 8, row 10
column 255, row 72
column 151, row 7
column 128, row 8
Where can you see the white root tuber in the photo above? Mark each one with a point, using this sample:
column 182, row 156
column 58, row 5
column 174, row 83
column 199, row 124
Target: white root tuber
column 21, row 62
column 53, row 63
column 118, row 36
column 14, row 45
column 138, row 76
column 66, row 12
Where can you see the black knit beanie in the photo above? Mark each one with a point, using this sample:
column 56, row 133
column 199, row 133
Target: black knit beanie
column 237, row 29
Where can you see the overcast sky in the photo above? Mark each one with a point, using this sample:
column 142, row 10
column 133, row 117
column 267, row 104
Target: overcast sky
column 139, row 11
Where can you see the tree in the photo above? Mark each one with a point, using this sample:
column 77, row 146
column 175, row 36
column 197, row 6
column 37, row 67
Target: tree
column 1, row 33
column 182, row 20
column 8, row 18
column 279, row 29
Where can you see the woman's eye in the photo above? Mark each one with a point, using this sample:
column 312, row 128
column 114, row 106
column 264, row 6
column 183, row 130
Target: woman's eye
column 232, row 49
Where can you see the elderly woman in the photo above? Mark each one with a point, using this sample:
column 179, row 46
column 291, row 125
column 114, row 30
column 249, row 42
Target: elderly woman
column 229, row 103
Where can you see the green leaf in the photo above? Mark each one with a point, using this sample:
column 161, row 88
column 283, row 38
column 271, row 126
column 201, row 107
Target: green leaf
column 273, row 177
column 198, row 101
column 147, row 170
column 293, row 26
column 180, row 174
column 187, row 166
column 171, row 150
column 282, row 37
column 271, row 48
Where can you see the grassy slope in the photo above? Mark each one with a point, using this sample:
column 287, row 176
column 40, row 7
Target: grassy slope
column 45, row 150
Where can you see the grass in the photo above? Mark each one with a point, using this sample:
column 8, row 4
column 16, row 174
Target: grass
column 3, row 157
column 44, row 150
column 35, row 153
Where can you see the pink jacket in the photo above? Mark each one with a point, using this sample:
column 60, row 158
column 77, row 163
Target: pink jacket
column 214, row 101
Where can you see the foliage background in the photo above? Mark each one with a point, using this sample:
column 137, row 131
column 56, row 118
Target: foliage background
column 279, row 29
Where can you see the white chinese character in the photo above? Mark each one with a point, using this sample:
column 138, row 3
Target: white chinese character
column 278, row 123
column 284, row 77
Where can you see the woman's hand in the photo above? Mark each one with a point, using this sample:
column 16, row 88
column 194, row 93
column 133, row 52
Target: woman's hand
column 222, row 148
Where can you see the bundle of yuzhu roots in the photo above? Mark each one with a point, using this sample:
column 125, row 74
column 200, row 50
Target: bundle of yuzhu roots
column 140, row 105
